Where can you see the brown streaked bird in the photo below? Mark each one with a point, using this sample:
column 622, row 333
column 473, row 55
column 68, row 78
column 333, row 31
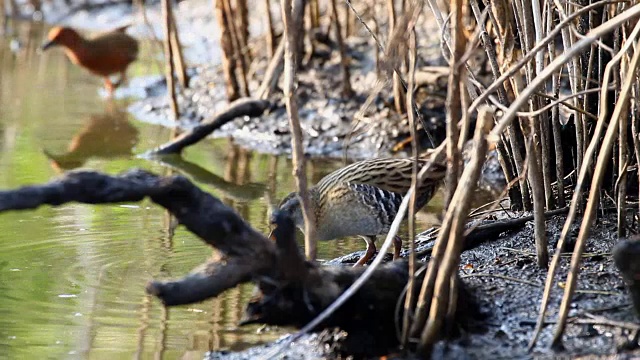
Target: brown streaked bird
column 105, row 55
column 363, row 199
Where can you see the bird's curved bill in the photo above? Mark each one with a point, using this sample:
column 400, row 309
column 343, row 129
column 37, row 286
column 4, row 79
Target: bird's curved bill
column 47, row 45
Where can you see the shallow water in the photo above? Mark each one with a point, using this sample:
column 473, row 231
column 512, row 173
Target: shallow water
column 72, row 278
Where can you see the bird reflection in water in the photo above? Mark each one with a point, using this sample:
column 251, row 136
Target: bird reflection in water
column 107, row 135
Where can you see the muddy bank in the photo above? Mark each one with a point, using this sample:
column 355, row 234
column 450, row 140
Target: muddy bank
column 327, row 118
column 509, row 285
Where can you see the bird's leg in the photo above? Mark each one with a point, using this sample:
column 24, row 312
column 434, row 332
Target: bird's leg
column 109, row 85
column 397, row 246
column 371, row 250
column 122, row 79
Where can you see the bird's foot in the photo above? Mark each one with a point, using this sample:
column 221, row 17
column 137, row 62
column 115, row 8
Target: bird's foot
column 397, row 247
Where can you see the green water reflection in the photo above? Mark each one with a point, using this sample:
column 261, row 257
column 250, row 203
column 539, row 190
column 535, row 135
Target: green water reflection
column 72, row 278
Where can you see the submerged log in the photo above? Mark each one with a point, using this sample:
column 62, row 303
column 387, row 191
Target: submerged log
column 240, row 107
column 291, row 291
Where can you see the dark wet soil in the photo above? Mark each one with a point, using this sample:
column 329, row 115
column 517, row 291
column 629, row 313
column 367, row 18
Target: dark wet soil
column 512, row 300
column 508, row 284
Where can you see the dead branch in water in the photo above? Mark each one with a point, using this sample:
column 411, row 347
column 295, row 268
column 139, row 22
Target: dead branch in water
column 240, row 107
column 292, row 290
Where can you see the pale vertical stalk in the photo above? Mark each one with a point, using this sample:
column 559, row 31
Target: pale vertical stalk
column 376, row 29
column 524, row 20
column 178, row 56
column 3, row 16
column 555, row 116
column 634, row 130
column 545, row 157
column 451, row 179
column 398, row 91
column 594, row 195
column 595, row 33
column 543, row 120
column 454, row 111
column 409, row 299
column 623, row 158
column 228, row 58
column 299, row 166
column 503, row 153
column 315, row 11
column 574, row 82
column 242, row 23
column 577, row 193
column 455, row 218
column 168, row 56
column 535, row 153
column 534, row 175
column 347, row 91
column 271, row 36
column 557, row 143
column 237, row 48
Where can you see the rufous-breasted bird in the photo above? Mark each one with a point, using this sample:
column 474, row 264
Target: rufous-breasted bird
column 107, row 54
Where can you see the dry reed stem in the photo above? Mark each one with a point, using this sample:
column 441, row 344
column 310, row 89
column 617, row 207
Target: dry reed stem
column 299, row 166
column 398, row 94
column 508, row 168
column 315, row 13
column 592, row 203
column 178, row 56
column 456, row 217
column 635, row 128
column 535, row 180
column 568, row 40
column 599, row 31
column 516, row 140
column 426, row 291
column 242, row 25
column 412, row 14
column 228, row 59
column 545, row 156
column 557, row 140
column 550, row 127
column 309, row 33
column 579, row 46
column 237, row 46
column 556, row 101
column 347, row 91
column 157, row 44
column 409, row 299
column 577, row 194
column 453, row 104
column 487, row 43
column 623, row 162
column 272, row 73
column 168, row 56
column 271, row 36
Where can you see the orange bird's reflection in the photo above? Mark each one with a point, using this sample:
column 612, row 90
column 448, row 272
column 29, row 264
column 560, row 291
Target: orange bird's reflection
column 106, row 135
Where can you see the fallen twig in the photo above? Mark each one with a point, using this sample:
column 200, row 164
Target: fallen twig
column 240, row 107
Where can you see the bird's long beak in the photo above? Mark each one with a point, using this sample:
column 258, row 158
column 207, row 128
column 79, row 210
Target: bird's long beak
column 47, row 45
